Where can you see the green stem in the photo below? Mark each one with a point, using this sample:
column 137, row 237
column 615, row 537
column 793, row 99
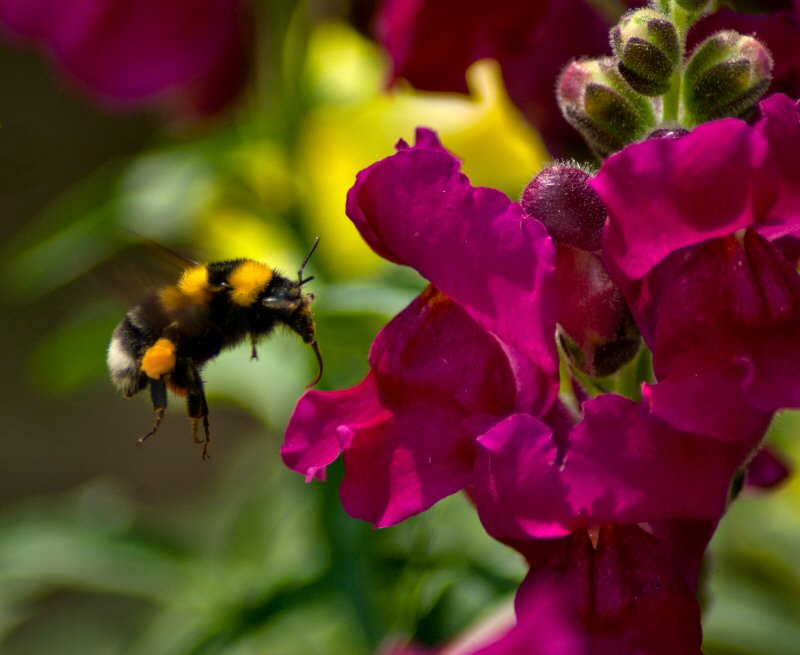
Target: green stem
column 672, row 99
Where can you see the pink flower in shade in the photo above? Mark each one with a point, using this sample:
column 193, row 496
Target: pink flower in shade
column 702, row 240
column 189, row 54
column 433, row 42
column 623, row 589
column 472, row 349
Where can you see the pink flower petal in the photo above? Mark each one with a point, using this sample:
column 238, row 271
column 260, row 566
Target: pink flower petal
column 416, row 208
column 407, row 432
column 622, row 465
column 717, row 170
column 729, row 309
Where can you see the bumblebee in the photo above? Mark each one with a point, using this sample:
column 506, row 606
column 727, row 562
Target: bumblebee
column 165, row 341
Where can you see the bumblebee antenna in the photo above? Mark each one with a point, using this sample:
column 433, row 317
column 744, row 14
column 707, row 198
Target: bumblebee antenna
column 300, row 279
column 317, row 352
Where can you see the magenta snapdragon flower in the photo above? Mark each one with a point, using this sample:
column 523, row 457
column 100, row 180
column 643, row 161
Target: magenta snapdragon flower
column 689, row 239
column 462, row 389
column 702, row 241
column 473, row 348
column 188, row 54
column 462, row 393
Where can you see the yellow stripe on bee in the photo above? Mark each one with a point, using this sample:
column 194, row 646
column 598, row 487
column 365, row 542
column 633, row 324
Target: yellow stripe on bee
column 248, row 280
column 159, row 359
column 194, row 283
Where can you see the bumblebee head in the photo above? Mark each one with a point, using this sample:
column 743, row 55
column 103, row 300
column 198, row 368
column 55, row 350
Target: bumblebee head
column 302, row 319
column 294, row 310
column 287, row 303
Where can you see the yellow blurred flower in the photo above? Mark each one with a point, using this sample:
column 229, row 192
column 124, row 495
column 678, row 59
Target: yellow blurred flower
column 356, row 123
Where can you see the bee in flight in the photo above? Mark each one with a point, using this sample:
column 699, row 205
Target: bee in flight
column 165, row 341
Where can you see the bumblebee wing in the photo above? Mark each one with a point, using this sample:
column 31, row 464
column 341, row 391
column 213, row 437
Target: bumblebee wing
column 140, row 269
column 178, row 261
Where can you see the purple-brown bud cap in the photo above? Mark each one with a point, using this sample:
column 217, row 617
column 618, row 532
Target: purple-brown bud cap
column 596, row 100
column 646, row 44
column 561, row 198
column 668, row 133
column 726, row 76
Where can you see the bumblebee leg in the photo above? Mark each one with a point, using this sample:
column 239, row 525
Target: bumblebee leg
column 158, row 394
column 198, row 409
column 253, row 351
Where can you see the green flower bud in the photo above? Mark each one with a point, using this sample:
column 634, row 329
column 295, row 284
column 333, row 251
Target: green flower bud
column 726, row 76
column 597, row 102
column 647, row 46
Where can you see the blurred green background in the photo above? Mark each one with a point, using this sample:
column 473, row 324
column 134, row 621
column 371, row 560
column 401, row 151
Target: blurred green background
column 106, row 548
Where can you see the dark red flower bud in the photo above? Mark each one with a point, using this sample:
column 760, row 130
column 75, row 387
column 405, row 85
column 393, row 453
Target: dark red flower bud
column 560, row 197
column 595, row 327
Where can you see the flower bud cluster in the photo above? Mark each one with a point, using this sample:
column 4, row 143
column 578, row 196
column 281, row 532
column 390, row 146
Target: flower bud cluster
column 647, row 48
column 726, row 76
column 650, row 83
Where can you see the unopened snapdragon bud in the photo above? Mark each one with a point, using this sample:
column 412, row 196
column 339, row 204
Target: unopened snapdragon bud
column 725, row 76
column 595, row 327
column 646, row 43
column 562, row 199
column 596, row 100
